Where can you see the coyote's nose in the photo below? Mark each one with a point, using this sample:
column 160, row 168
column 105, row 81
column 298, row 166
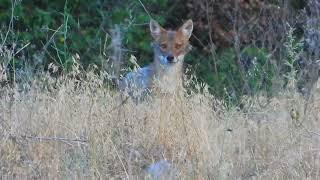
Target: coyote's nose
column 170, row 59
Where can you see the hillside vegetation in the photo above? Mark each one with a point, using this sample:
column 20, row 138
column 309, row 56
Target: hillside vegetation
column 250, row 108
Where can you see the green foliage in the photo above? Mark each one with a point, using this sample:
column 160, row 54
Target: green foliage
column 260, row 72
column 63, row 28
column 228, row 80
column 60, row 30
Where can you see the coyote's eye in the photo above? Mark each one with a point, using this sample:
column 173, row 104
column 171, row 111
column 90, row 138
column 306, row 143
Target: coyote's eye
column 163, row 46
column 178, row 46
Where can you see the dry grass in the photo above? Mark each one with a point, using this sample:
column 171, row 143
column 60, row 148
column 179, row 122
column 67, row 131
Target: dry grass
column 70, row 129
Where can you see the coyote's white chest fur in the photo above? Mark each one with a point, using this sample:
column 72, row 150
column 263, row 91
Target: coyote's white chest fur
column 147, row 79
column 165, row 74
column 168, row 79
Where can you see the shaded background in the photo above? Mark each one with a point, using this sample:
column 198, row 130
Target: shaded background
column 240, row 47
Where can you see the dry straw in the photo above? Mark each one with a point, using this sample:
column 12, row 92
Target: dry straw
column 69, row 128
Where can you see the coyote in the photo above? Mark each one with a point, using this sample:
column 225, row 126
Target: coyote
column 165, row 74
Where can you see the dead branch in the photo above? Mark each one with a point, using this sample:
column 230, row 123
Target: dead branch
column 61, row 139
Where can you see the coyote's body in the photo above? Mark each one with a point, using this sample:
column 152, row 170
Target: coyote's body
column 166, row 72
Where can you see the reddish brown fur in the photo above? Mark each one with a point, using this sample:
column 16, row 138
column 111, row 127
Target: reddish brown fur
column 172, row 42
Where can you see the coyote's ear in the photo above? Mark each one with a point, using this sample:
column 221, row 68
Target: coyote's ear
column 155, row 29
column 187, row 28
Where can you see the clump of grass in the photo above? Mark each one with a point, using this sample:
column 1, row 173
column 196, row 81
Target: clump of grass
column 293, row 50
column 76, row 127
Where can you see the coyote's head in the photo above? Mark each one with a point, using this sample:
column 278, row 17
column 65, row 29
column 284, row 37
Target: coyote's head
column 171, row 46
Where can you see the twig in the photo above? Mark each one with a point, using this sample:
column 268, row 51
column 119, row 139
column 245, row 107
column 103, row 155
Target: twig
column 116, row 44
column 145, row 9
column 62, row 139
column 119, row 105
column 21, row 49
column 51, row 38
column 13, row 4
column 315, row 133
column 123, row 166
column 310, row 132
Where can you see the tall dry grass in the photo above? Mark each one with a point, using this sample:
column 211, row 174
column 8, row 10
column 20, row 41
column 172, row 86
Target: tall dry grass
column 71, row 128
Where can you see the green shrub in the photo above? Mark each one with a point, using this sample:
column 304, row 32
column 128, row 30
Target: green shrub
column 61, row 28
column 228, row 82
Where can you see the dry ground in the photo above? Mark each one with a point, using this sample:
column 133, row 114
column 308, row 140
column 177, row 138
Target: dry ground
column 67, row 129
